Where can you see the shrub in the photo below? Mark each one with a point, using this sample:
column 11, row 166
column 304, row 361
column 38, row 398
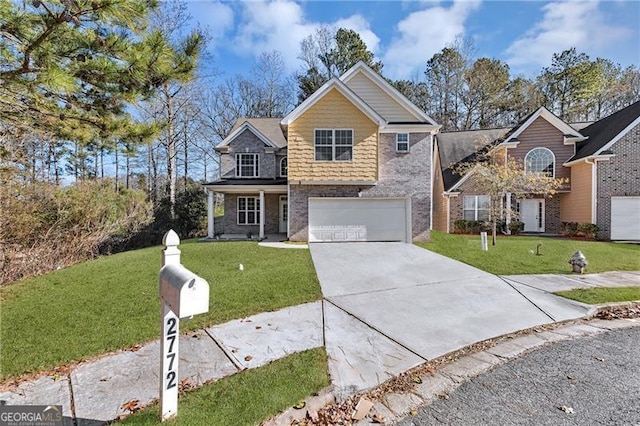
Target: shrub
column 462, row 226
column 588, row 230
column 516, row 227
column 44, row 227
column 569, row 229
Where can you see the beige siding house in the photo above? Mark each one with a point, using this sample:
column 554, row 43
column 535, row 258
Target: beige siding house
column 600, row 160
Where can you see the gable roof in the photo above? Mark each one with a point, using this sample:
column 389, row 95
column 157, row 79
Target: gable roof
column 553, row 119
column 334, row 83
column 268, row 130
column 607, row 131
column 362, row 69
column 462, row 147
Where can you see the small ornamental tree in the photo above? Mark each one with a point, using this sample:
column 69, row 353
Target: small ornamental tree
column 498, row 178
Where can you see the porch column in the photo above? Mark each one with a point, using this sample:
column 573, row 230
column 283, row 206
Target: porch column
column 261, row 215
column 210, row 214
column 508, row 215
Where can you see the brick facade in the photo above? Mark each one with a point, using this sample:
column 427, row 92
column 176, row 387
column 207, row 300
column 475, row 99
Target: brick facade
column 247, row 142
column 400, row 175
column 619, row 176
column 229, row 221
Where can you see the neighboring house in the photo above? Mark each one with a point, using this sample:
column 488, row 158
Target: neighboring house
column 357, row 158
column 253, row 167
column 600, row 160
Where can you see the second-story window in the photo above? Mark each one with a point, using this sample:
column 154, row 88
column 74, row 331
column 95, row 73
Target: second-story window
column 283, row 167
column 333, row 144
column 402, row 142
column 540, row 160
column 247, row 165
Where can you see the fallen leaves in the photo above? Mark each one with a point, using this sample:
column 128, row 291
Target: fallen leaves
column 131, row 406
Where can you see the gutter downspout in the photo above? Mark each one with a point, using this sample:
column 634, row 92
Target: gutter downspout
column 594, row 189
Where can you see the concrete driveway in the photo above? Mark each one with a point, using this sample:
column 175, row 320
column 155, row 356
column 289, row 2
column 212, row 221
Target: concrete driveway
column 391, row 306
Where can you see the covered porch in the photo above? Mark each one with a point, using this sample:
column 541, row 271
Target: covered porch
column 252, row 208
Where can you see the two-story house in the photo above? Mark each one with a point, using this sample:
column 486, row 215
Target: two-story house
column 350, row 163
column 601, row 162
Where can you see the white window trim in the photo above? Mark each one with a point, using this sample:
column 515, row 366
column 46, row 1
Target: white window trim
column 333, row 145
column 399, row 142
column 256, row 166
column 475, row 206
column 280, row 166
column 553, row 156
column 256, row 211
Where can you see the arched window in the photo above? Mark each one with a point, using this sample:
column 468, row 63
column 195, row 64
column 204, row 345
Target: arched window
column 283, row 166
column 540, row 160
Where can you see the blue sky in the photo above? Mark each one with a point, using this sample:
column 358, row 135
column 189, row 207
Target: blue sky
column 405, row 34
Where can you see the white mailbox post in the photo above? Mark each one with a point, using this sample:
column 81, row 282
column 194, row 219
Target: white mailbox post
column 183, row 294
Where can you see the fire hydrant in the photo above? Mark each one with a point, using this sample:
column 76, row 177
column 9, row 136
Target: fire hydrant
column 578, row 262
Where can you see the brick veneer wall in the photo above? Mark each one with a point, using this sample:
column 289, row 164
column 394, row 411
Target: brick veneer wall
column 620, row 176
column 400, row 175
column 551, row 207
column 247, row 142
column 230, row 219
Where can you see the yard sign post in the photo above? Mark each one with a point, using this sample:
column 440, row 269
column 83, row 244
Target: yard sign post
column 183, row 294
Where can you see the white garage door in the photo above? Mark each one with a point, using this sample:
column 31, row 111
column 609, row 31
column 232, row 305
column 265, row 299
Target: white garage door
column 359, row 219
column 625, row 218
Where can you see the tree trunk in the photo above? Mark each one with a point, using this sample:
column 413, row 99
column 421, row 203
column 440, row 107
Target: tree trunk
column 171, row 153
column 493, row 232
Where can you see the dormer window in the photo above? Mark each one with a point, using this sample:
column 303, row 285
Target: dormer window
column 247, row 165
column 283, row 167
column 540, row 160
column 402, row 142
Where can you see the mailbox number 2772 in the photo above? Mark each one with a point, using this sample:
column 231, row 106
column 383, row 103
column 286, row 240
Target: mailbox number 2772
column 172, row 335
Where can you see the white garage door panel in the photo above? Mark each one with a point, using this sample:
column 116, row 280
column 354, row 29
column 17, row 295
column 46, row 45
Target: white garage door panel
column 357, row 219
column 625, row 218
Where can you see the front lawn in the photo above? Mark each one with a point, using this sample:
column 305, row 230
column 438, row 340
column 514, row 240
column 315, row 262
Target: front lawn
column 516, row 255
column 112, row 302
column 249, row 397
column 594, row 296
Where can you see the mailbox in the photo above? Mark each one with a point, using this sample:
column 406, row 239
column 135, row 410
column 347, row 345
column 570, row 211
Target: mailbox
column 184, row 292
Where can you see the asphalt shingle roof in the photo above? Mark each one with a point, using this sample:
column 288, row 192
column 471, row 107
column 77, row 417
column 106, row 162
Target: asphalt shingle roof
column 603, row 131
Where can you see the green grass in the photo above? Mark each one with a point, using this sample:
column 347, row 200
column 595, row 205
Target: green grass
column 512, row 255
column 593, row 296
column 112, row 302
column 248, row 397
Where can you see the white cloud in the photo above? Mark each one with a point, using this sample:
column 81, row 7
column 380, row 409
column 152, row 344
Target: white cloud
column 217, row 16
column 281, row 25
column 564, row 25
column 424, row 33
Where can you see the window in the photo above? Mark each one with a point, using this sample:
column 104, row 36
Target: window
column 283, row 166
column 333, row 145
column 247, row 165
column 402, row 142
column 540, row 160
column 476, row 207
column 248, row 210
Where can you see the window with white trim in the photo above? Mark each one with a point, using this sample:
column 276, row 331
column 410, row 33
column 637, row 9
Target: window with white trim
column 333, row 144
column 476, row 207
column 540, row 160
column 283, row 167
column 402, row 142
column 248, row 210
column 247, row 165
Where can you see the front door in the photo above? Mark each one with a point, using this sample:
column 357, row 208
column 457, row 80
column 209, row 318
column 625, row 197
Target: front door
column 284, row 214
column 532, row 214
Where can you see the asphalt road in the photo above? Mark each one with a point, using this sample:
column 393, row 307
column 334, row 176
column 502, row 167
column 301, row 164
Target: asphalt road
column 598, row 378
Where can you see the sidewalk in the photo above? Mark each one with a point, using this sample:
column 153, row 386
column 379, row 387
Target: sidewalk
column 94, row 391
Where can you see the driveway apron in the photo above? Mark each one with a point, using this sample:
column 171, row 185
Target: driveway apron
column 397, row 301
